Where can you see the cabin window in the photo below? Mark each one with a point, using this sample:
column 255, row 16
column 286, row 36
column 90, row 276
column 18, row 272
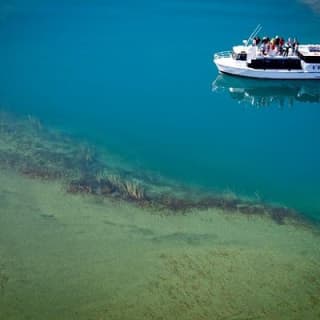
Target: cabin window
column 271, row 63
column 240, row 56
column 309, row 59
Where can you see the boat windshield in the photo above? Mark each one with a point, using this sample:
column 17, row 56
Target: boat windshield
column 239, row 56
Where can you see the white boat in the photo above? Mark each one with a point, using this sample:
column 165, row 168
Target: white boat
column 248, row 60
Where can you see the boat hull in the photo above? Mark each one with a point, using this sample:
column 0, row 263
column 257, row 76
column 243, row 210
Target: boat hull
column 239, row 68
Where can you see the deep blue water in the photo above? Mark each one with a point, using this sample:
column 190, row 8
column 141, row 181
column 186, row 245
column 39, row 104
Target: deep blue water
column 136, row 76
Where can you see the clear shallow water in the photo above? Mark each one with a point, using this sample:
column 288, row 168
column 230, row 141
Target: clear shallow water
column 137, row 78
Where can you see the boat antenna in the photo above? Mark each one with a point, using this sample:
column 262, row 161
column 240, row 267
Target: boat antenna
column 254, row 33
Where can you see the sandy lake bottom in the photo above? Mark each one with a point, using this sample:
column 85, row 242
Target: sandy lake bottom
column 66, row 256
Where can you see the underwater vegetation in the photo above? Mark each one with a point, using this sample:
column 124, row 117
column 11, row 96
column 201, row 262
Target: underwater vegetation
column 29, row 148
column 34, row 151
column 113, row 185
column 3, row 279
column 117, row 187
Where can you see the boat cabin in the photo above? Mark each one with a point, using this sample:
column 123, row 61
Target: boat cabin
column 309, row 53
column 239, row 53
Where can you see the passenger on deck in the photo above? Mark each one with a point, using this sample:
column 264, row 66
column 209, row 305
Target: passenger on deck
column 265, row 46
column 281, row 44
column 257, row 40
column 276, row 46
column 287, row 47
column 295, row 45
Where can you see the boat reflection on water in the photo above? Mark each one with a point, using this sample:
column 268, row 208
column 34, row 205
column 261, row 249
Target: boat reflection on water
column 265, row 93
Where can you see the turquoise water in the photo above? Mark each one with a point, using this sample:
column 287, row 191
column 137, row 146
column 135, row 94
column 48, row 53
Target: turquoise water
column 137, row 78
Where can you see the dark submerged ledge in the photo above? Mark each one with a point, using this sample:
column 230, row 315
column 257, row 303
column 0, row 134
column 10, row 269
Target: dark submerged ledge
column 133, row 192
column 38, row 153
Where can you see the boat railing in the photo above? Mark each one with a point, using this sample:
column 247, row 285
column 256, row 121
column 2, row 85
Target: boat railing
column 223, row 54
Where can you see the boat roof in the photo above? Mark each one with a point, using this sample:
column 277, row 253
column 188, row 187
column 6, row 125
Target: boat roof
column 311, row 50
